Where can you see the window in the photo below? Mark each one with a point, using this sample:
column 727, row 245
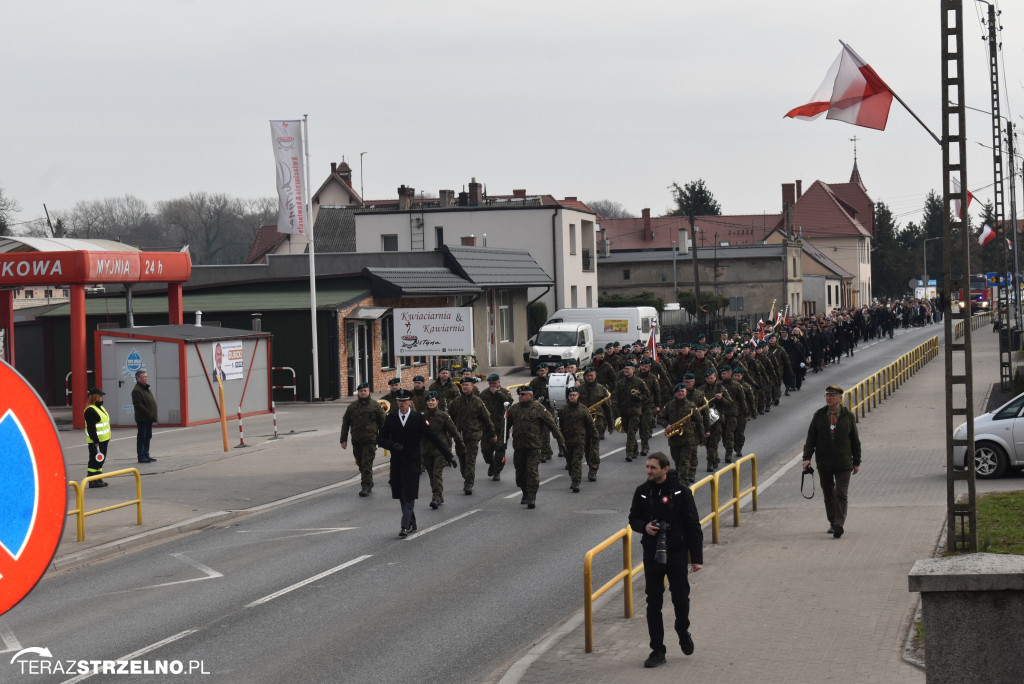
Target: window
column 572, row 238
column 389, row 243
column 573, row 297
column 504, row 315
column 438, row 236
column 625, row 274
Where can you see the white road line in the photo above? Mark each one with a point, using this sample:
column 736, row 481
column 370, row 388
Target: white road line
column 543, row 482
column 442, row 524
column 314, row 578
column 136, row 654
column 208, row 573
column 11, row 642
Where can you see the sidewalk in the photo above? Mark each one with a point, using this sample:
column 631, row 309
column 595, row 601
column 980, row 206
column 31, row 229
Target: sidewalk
column 779, row 600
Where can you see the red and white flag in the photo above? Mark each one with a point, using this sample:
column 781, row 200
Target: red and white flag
column 851, row 92
column 986, row 236
column 955, row 182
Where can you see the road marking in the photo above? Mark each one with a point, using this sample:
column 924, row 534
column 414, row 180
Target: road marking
column 314, row 578
column 11, row 642
column 441, row 524
column 208, row 573
column 136, row 654
column 543, row 482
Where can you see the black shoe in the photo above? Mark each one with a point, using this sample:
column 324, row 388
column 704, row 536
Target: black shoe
column 364, row 492
column 97, row 483
column 468, row 491
column 831, row 529
column 838, row 532
column 147, row 460
column 575, row 489
column 655, row 659
column 497, row 477
column 531, row 504
column 403, row 533
column 434, row 504
column 686, row 643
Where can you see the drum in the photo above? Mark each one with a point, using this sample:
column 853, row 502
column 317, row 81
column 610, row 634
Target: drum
column 557, row 384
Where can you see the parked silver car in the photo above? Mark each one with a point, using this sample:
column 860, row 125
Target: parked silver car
column 998, row 440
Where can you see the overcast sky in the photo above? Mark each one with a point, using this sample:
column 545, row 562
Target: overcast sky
column 591, row 99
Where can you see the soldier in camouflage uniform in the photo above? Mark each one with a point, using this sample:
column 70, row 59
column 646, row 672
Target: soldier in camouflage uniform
column 364, row 417
column 735, row 413
column 540, row 394
column 652, row 406
column 591, row 393
column 497, row 400
column 419, row 393
column 683, row 446
column 473, row 420
column 739, row 438
column 631, row 394
column 525, row 421
column 578, row 430
column 722, row 402
column 447, row 391
column 433, row 460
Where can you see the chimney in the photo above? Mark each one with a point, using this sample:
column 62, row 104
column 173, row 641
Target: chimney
column 469, row 240
column 648, row 234
column 476, row 192
column 519, row 194
column 447, row 198
column 405, row 197
column 788, row 194
column 799, row 188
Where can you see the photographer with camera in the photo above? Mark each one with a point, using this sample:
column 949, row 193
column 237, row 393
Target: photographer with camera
column 833, row 440
column 664, row 511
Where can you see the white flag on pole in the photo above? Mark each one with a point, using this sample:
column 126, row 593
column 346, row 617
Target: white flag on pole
column 291, row 212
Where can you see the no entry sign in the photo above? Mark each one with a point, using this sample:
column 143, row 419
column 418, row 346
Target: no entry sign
column 33, row 488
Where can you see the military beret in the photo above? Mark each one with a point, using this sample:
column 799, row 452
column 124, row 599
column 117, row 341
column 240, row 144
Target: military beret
column 710, row 372
column 493, row 376
column 589, row 369
column 403, row 395
column 571, row 390
column 418, row 378
column 834, row 389
column 738, row 369
column 678, row 387
column 362, row 385
column 689, row 376
column 395, row 381
column 630, row 364
column 525, row 389
column 725, row 369
column 431, row 394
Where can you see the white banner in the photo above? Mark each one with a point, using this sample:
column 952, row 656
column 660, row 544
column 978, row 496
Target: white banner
column 434, row 332
column 291, row 212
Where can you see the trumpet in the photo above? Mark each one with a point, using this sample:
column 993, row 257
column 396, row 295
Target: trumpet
column 385, row 404
column 593, row 407
column 676, row 428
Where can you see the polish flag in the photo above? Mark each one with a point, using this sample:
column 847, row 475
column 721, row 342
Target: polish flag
column 956, row 196
column 987, row 235
column 851, row 92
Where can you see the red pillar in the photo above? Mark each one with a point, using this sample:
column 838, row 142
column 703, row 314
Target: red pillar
column 175, row 310
column 7, row 323
column 79, row 379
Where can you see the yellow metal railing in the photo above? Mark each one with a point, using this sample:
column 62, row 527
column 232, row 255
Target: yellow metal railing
column 80, row 511
column 628, row 572
column 866, row 394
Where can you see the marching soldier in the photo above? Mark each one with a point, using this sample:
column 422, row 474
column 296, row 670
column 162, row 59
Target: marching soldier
column 433, row 460
column 364, row 417
column 471, row 417
column 591, row 394
column 631, row 394
column 721, row 401
column 525, row 421
column 578, row 430
column 540, row 394
column 497, row 400
column 683, row 445
column 652, row 406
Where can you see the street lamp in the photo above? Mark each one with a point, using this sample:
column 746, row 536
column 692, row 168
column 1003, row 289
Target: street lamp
column 925, row 275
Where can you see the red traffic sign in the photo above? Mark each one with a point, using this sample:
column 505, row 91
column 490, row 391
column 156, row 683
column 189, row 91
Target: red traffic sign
column 33, row 489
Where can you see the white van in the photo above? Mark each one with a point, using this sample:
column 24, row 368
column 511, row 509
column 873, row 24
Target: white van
column 562, row 343
column 622, row 324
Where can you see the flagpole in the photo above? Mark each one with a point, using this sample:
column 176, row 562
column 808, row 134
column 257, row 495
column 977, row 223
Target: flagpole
column 312, row 263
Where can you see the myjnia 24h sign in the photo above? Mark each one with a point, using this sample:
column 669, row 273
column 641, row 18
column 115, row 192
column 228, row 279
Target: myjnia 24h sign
column 434, row 332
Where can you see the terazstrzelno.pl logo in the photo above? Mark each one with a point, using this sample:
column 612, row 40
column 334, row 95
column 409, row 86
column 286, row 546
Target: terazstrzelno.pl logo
column 39, row 661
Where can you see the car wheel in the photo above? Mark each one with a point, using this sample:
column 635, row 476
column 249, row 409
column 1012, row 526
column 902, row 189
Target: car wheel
column 990, row 461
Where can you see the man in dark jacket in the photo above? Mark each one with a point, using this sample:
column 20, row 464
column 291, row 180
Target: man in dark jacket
column 145, row 415
column 401, row 436
column 833, row 440
column 664, row 499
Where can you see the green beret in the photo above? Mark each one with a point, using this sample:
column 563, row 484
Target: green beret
column 493, row 376
column 418, row 378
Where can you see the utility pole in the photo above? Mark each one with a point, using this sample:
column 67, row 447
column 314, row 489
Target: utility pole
column 696, row 275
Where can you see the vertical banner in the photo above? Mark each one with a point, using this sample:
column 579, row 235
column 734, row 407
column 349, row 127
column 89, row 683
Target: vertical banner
column 287, row 138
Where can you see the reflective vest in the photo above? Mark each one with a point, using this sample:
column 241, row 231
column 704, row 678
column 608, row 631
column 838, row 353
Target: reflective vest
column 102, row 427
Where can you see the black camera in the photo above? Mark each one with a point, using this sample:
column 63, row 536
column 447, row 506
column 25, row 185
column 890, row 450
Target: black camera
column 661, row 547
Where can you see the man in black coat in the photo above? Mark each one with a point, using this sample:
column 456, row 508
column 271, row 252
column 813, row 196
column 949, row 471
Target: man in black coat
column 401, row 436
column 665, row 499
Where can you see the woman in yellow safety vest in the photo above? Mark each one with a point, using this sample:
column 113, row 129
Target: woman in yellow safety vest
column 97, row 434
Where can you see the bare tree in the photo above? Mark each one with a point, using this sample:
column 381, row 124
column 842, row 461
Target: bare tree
column 610, row 209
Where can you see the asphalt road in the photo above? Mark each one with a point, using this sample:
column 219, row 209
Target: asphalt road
column 322, row 590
